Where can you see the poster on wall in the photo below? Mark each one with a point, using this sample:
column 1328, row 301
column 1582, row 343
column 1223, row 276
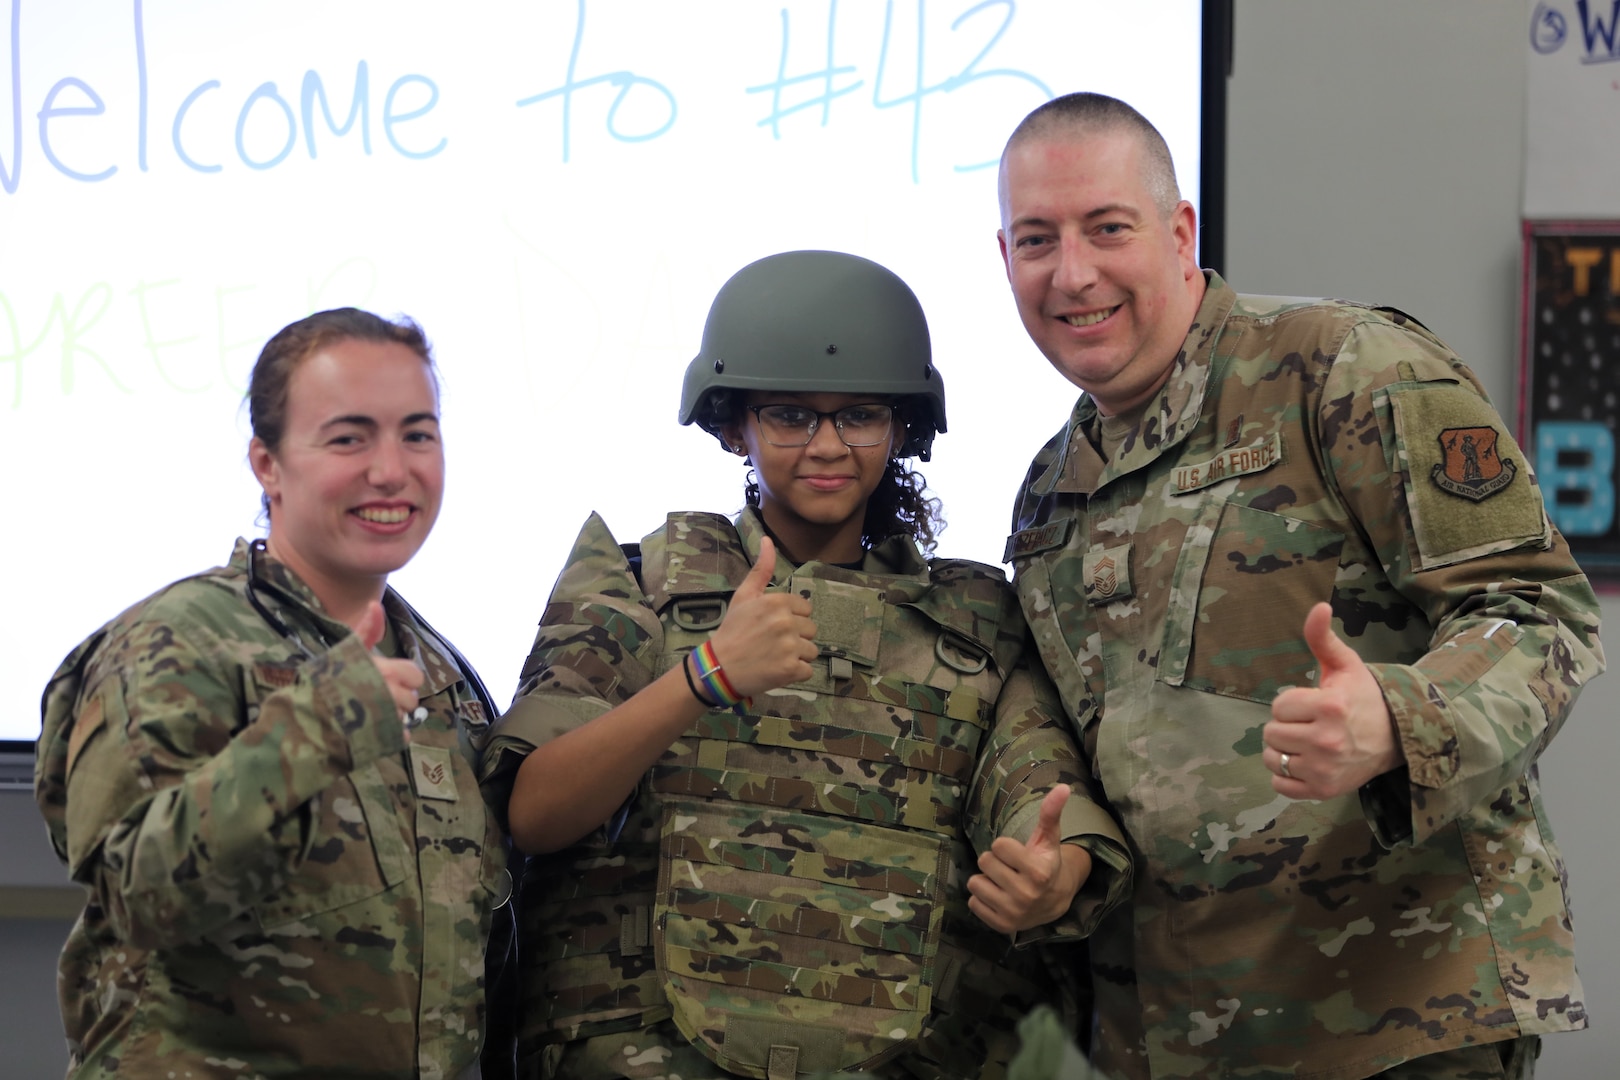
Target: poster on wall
column 1570, row 381
column 1572, row 125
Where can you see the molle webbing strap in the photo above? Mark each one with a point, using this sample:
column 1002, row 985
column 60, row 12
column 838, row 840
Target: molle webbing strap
column 950, row 971
column 640, row 993
column 804, row 920
column 719, row 728
column 566, row 941
column 635, row 930
column 806, row 866
column 922, row 807
column 794, row 981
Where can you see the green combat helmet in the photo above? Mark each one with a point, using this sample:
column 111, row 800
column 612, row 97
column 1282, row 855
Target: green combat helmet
column 816, row 321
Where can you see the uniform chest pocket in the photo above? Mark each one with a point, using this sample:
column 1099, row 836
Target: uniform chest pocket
column 1244, row 637
column 354, row 852
column 354, row 849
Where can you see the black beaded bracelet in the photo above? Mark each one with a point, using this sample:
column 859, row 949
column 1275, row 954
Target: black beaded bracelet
column 686, row 669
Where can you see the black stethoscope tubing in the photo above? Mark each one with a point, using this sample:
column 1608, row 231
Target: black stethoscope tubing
column 469, row 674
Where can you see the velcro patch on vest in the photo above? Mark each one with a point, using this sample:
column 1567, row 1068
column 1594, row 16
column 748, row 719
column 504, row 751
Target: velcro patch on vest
column 1237, row 461
column 849, row 619
column 785, row 1048
column 1108, row 574
column 1053, row 534
column 432, row 774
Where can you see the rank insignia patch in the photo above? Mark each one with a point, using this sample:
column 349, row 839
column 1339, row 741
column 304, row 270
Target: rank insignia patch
column 1108, row 574
column 1470, row 467
column 1105, row 577
column 431, row 773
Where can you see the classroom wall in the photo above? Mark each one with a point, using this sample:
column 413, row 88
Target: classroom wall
column 1375, row 152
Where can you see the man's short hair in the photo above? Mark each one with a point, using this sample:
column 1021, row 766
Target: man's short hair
column 1087, row 113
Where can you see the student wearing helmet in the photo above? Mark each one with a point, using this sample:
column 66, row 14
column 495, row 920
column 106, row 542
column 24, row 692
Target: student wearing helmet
column 758, row 760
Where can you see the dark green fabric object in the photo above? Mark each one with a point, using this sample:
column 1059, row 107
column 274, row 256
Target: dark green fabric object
column 1048, row 1053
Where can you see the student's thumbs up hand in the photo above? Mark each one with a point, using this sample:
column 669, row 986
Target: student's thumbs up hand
column 1024, row 885
column 1328, row 740
column 767, row 639
column 403, row 677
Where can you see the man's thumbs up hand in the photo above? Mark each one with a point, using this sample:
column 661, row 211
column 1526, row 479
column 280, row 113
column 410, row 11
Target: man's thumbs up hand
column 1328, row 740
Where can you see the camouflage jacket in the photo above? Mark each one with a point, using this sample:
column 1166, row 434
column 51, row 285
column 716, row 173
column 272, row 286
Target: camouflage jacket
column 804, row 863
column 278, row 884
column 1307, row 451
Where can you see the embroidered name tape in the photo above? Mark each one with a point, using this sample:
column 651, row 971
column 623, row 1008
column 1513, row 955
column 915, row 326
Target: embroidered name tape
column 1054, row 534
column 1238, row 461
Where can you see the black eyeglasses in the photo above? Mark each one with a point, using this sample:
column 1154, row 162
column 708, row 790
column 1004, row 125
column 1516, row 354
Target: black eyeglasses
column 866, row 424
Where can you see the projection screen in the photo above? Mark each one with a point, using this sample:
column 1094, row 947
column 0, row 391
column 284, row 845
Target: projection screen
column 555, row 190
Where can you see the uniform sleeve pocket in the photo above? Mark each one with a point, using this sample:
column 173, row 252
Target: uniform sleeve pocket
column 355, row 851
column 102, row 777
column 1469, row 491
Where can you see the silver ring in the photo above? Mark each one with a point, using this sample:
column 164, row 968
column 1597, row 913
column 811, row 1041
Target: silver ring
column 1282, row 766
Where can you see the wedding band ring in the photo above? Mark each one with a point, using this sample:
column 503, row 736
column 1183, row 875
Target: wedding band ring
column 1282, row 766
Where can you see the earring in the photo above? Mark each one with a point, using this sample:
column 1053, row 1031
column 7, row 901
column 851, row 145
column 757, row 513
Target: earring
column 751, row 489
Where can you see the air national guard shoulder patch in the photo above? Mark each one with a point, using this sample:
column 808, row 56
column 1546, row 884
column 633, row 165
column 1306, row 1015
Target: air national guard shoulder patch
column 1470, row 466
column 1469, row 492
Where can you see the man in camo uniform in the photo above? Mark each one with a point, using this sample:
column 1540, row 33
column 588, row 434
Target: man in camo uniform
column 785, row 890
column 1299, row 593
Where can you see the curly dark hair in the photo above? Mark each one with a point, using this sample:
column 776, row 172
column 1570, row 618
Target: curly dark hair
column 899, row 505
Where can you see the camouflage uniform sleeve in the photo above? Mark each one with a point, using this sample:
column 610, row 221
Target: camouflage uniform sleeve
column 595, row 649
column 1513, row 620
column 185, row 806
column 1030, row 750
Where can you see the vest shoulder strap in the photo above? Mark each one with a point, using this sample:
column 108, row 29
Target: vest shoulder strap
column 694, row 554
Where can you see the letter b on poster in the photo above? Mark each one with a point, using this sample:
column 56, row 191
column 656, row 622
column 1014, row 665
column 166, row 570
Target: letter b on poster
column 1570, row 372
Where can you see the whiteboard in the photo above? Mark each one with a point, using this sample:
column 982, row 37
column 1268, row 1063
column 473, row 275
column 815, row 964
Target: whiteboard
column 554, row 190
column 1572, row 109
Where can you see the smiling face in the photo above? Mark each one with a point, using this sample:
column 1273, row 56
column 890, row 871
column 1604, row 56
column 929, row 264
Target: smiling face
column 355, row 484
column 1106, row 284
column 813, row 498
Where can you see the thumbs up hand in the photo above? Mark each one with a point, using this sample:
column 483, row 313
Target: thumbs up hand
column 1023, row 885
column 1328, row 740
column 403, row 677
column 767, row 639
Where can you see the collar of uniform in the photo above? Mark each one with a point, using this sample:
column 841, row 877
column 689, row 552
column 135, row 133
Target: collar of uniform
column 895, row 556
column 1169, row 417
column 289, row 586
column 414, row 641
column 422, row 646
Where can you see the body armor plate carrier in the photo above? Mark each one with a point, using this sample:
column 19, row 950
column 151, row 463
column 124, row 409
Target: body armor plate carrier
column 789, row 882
